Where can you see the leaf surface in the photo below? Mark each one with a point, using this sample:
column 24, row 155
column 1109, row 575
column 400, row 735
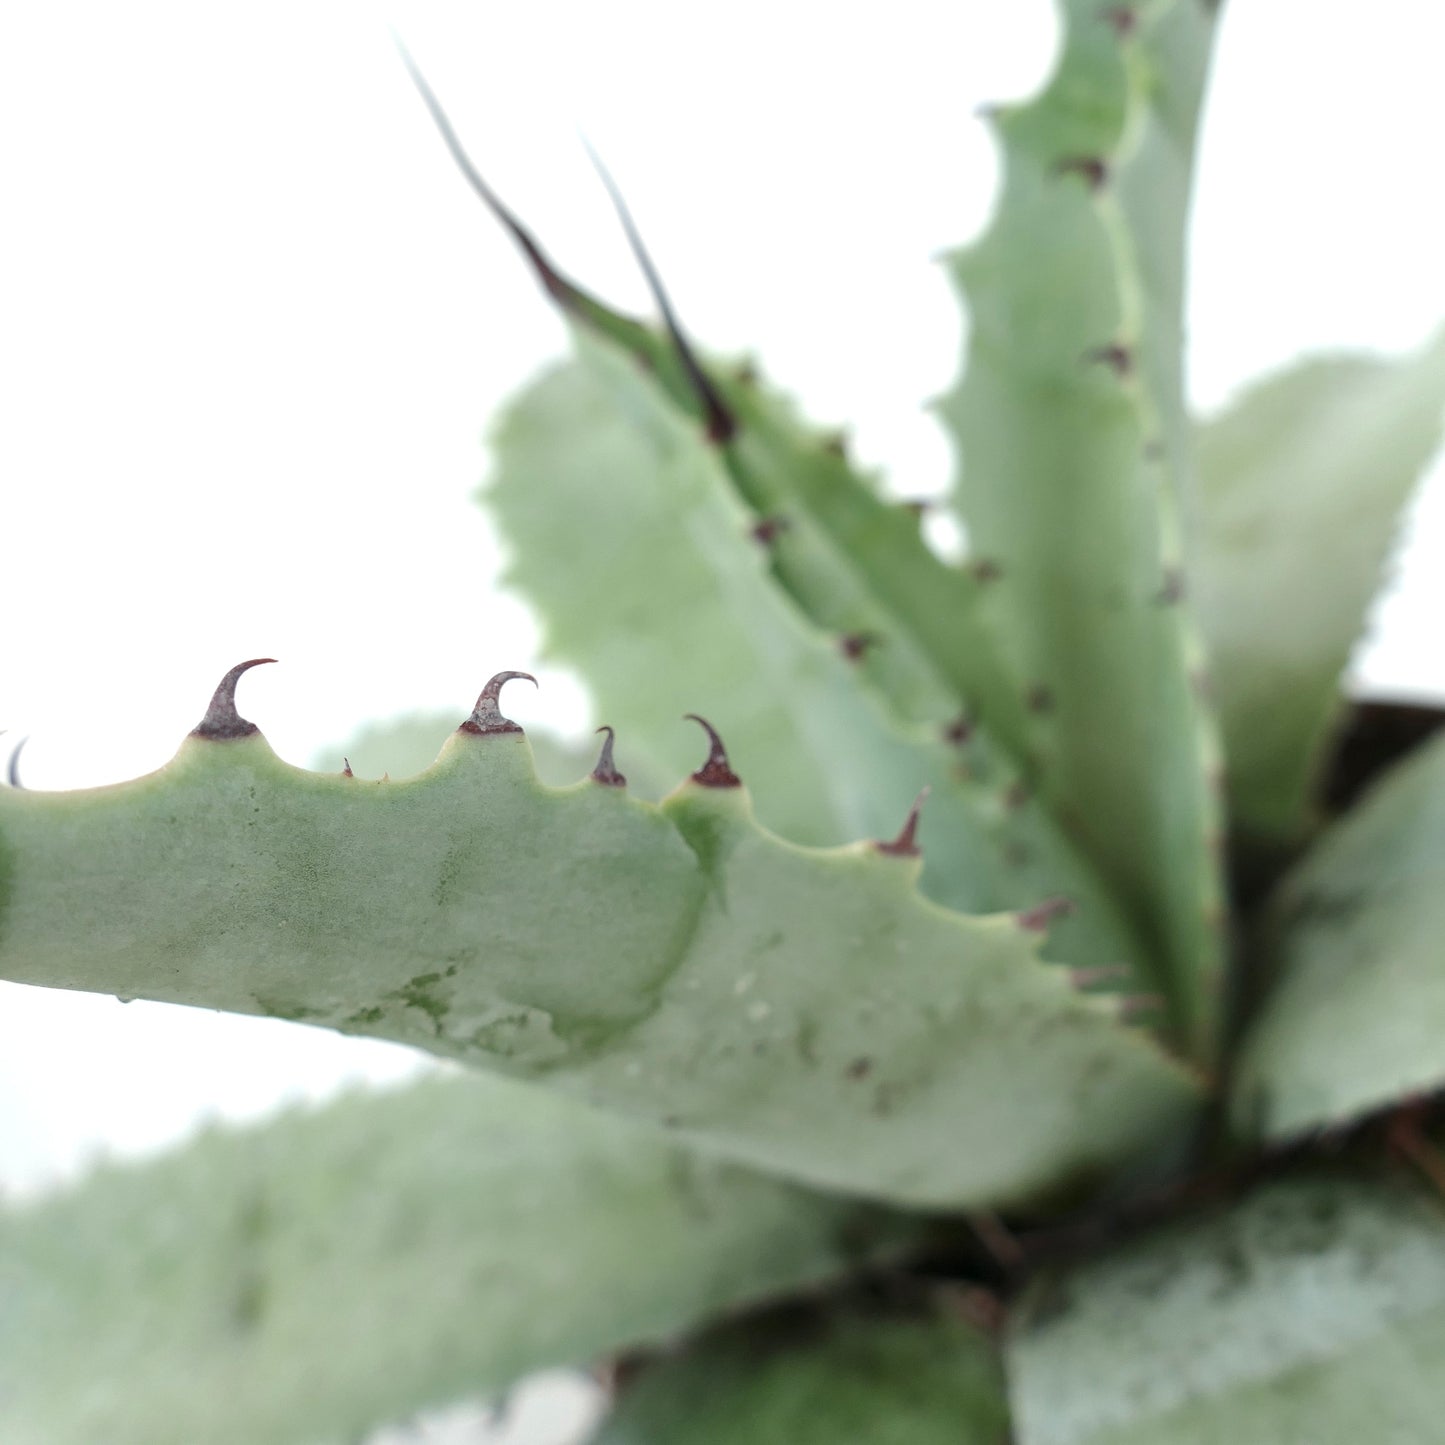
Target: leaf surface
column 304, row 1280
column 1312, row 1311
column 1354, row 1016
column 802, row 1010
column 630, row 542
column 1302, row 483
column 816, row 1377
column 1068, row 484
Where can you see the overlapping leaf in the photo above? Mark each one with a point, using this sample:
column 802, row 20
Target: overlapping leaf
column 1354, row 1014
column 630, row 543
column 1301, row 487
column 819, row 1375
column 1312, row 1311
column 802, row 1010
column 1070, row 466
column 298, row 1282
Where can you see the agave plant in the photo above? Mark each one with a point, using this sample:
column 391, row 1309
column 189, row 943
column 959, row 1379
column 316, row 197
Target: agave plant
column 1022, row 1019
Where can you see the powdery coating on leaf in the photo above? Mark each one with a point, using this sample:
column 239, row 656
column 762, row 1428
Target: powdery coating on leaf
column 1313, row 1311
column 338, row 1268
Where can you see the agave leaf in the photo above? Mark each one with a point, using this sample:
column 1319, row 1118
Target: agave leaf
column 335, row 1268
column 803, row 1010
column 641, row 562
column 1169, row 71
column 1313, row 1311
column 856, row 564
column 1301, row 486
column 1068, row 478
column 816, row 1376
column 1354, row 1016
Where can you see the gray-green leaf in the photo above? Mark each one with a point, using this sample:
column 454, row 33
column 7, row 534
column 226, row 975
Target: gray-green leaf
column 1301, row 484
column 304, row 1280
column 821, row 1377
column 1311, row 1314
column 1355, row 1019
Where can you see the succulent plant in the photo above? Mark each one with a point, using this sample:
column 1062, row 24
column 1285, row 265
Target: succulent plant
column 1023, row 1020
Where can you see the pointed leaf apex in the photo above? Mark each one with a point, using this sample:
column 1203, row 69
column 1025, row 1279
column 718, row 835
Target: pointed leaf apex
column 715, row 772
column 222, row 723
column 1040, row 918
column 487, row 715
column 605, row 773
column 905, row 845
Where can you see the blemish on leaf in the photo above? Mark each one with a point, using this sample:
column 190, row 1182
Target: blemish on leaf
column 487, row 716
column 1123, row 18
column 1040, row 918
column 959, row 731
column 905, row 845
column 853, row 645
column 715, row 772
column 1171, row 590
column 1086, row 978
column 1016, row 795
column 836, row 444
column 222, row 723
column 765, row 532
column 984, row 569
column 1137, row 1005
column 1113, row 354
column 346, row 768
column 1093, row 169
column 421, row 993
column 605, row 773
column 1039, row 698
column 859, row 1069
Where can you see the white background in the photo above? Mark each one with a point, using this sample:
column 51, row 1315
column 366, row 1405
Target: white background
column 252, row 324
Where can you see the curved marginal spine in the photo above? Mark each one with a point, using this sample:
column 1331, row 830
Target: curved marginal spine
column 678, row 964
